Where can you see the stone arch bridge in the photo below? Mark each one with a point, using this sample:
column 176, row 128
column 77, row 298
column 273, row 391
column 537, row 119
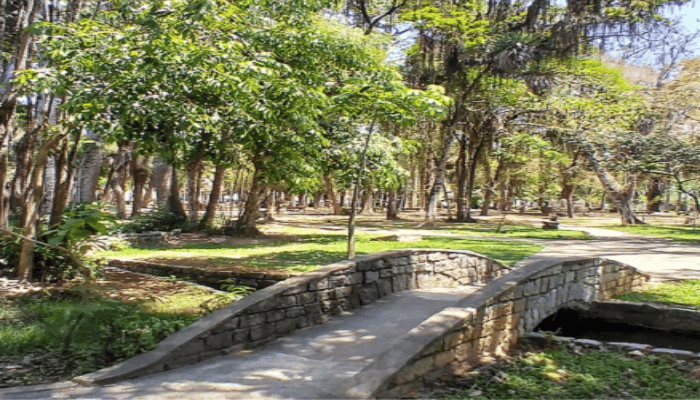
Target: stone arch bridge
column 375, row 326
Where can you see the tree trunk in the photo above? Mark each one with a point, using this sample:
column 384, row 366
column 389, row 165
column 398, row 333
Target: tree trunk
column 210, row 212
column 462, row 174
column 174, row 204
column 88, row 174
column 139, row 173
column 330, row 192
column 489, row 186
column 392, row 206
column 246, row 224
column 160, row 180
column 655, row 188
column 621, row 197
column 440, row 166
column 367, row 206
column 193, row 169
column 4, row 171
column 30, row 211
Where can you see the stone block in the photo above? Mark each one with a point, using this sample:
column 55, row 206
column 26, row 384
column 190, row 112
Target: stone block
column 437, row 257
column 444, row 358
column 321, row 284
column 265, row 305
column 313, row 309
column 453, row 339
column 272, row 316
column 286, row 325
column 286, row 301
column 400, row 261
column 588, row 342
column 345, row 304
column 364, row 266
column 229, row 325
column 412, row 282
column 356, row 278
column 262, row 331
column 419, row 368
column 385, row 273
column 383, row 287
column 519, row 305
column 399, row 282
column 338, row 281
column 328, row 305
column 294, row 312
column 435, row 347
column 323, row 295
column 367, row 294
column 292, row 290
column 240, row 336
column 218, row 341
column 306, row 298
column 531, row 288
column 371, row 276
column 424, row 280
column 680, row 354
column 342, row 292
column 252, row 320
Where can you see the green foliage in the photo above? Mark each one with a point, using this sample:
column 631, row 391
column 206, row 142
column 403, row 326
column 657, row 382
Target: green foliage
column 160, row 219
column 79, row 223
column 557, row 373
column 51, row 263
column 81, row 336
column 685, row 293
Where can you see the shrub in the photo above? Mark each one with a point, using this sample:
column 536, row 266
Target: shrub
column 159, row 219
column 59, row 253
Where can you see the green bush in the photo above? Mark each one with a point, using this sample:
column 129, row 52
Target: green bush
column 159, row 219
column 82, row 336
column 60, row 252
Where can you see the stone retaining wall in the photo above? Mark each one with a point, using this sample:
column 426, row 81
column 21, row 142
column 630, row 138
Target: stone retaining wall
column 203, row 276
column 305, row 300
column 487, row 324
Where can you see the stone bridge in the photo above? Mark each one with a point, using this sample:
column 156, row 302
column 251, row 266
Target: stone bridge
column 386, row 324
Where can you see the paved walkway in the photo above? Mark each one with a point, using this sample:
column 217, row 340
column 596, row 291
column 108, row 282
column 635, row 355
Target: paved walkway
column 663, row 259
column 310, row 363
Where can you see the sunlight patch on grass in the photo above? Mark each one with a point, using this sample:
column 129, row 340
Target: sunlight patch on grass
column 679, row 233
column 684, row 293
column 558, row 374
column 306, row 252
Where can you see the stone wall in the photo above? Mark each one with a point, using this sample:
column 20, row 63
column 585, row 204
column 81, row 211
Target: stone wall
column 305, row 300
column 486, row 325
column 203, row 276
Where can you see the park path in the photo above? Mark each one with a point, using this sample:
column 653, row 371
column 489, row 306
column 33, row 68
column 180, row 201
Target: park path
column 310, row 363
column 662, row 259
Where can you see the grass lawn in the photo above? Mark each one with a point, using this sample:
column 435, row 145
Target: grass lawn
column 492, row 228
column 559, row 373
column 684, row 293
column 75, row 330
column 679, row 233
column 295, row 249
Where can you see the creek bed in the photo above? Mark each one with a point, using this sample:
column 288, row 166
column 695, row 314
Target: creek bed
column 586, row 324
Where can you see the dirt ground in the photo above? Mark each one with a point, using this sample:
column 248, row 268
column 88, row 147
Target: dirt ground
column 117, row 284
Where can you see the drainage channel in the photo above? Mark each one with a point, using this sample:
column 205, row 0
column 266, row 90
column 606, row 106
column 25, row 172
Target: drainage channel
column 585, row 324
